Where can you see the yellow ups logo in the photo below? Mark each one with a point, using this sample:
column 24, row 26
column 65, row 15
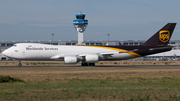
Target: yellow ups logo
column 164, row 35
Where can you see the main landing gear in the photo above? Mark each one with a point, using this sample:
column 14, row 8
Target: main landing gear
column 19, row 64
column 87, row 64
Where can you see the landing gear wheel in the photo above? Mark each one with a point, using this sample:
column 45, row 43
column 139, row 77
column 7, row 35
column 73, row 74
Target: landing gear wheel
column 87, row 64
column 19, row 64
column 93, row 64
column 84, row 64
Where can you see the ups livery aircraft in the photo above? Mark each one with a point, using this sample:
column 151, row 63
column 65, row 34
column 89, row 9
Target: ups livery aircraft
column 89, row 55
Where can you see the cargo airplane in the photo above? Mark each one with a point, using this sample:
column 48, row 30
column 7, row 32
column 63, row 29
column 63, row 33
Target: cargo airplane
column 89, row 55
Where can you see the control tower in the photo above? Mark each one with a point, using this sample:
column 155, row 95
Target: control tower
column 80, row 25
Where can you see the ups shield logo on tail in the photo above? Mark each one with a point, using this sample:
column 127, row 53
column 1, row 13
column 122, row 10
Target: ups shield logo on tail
column 164, row 35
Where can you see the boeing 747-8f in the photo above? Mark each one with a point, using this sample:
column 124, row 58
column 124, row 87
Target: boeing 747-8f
column 89, row 55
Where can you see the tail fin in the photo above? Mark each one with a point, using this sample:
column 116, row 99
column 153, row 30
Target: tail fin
column 162, row 37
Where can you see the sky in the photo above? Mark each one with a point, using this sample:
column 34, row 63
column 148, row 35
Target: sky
column 33, row 20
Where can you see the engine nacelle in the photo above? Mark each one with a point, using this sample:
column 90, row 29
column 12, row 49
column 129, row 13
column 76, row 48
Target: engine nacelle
column 70, row 60
column 92, row 58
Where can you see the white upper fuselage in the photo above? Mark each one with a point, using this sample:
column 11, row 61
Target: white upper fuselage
column 35, row 51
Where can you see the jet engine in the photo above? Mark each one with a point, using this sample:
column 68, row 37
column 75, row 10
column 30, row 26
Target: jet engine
column 92, row 58
column 70, row 60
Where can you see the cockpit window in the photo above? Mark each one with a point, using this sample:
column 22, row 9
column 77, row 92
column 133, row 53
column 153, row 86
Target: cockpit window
column 15, row 45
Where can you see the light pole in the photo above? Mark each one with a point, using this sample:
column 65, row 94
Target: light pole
column 52, row 36
column 108, row 36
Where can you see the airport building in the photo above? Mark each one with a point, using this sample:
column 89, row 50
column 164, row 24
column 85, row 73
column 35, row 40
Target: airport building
column 4, row 45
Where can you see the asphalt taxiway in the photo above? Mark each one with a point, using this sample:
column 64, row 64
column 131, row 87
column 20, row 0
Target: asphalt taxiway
column 105, row 66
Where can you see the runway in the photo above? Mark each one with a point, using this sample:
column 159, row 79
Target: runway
column 106, row 66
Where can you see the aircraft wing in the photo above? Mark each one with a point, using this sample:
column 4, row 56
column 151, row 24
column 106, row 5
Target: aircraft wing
column 105, row 55
column 59, row 56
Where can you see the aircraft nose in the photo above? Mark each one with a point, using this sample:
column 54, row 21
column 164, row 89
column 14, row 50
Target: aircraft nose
column 6, row 53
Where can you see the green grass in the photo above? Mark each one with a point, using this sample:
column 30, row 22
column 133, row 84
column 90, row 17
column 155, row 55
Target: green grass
column 132, row 89
column 115, row 62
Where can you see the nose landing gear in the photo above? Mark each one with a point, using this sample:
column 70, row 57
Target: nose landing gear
column 19, row 64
